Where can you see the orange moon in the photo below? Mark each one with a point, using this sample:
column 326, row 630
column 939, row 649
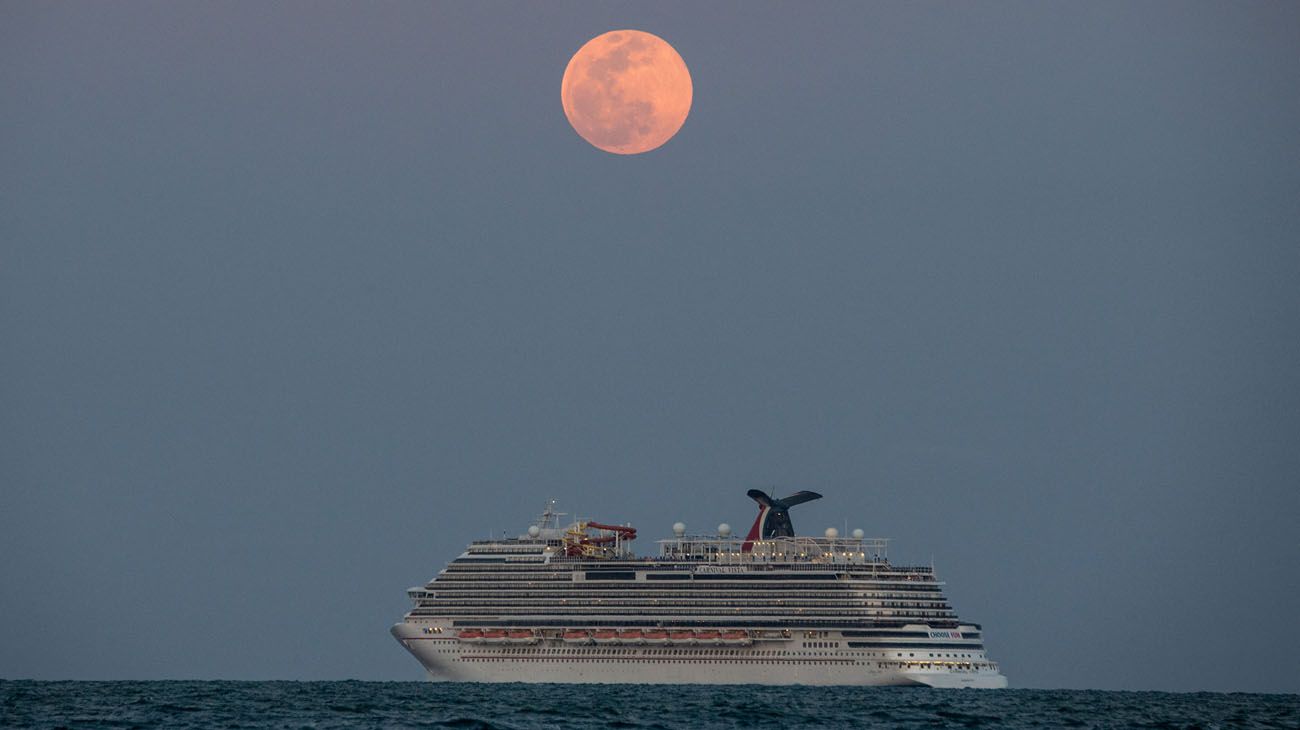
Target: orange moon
column 626, row 91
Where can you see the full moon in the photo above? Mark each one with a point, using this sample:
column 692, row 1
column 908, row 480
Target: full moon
column 626, row 91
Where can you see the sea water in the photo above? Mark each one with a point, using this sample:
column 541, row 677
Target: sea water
column 176, row 704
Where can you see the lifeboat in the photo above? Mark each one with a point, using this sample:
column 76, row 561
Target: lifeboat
column 708, row 637
column 631, row 636
column 605, row 636
column 473, row 635
column 574, row 636
column 494, row 636
column 681, row 637
column 655, row 636
column 736, row 638
column 521, row 636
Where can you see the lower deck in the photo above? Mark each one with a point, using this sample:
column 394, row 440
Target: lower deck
column 819, row 660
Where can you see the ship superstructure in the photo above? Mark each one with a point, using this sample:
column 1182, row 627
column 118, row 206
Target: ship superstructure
column 572, row 604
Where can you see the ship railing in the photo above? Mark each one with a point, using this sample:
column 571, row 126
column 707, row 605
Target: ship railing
column 812, row 549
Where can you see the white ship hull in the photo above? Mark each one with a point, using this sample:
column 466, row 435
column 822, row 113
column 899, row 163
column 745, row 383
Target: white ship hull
column 574, row 605
column 450, row 660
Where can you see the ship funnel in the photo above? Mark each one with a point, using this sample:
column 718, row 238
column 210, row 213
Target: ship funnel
column 774, row 515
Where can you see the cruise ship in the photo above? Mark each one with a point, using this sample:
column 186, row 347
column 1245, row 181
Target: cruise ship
column 573, row 604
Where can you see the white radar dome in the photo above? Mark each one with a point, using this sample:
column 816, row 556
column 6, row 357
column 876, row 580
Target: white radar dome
column 724, row 529
column 679, row 528
column 534, row 531
column 831, row 532
column 858, row 534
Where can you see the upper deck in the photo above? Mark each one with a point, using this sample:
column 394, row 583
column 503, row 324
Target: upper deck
column 810, row 553
column 586, row 542
column 736, row 551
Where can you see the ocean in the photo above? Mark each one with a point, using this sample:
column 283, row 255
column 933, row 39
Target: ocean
column 180, row 704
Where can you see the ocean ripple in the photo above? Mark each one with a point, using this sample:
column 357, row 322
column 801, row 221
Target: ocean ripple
column 258, row 705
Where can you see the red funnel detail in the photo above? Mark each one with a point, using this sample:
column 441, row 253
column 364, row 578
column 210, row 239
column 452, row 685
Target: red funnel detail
column 756, row 531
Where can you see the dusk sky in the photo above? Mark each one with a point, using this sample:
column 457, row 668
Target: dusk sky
column 298, row 298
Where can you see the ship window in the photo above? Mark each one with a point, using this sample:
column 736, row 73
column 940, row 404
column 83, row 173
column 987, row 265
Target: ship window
column 611, row 575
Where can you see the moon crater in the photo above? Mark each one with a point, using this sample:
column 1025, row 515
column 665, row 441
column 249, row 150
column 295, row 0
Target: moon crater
column 626, row 91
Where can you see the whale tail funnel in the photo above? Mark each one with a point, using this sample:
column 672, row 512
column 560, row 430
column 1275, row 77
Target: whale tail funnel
column 774, row 516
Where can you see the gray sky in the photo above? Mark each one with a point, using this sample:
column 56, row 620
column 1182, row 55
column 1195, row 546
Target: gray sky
column 298, row 298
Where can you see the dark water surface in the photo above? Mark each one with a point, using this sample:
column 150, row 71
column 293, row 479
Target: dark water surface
column 25, row 704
